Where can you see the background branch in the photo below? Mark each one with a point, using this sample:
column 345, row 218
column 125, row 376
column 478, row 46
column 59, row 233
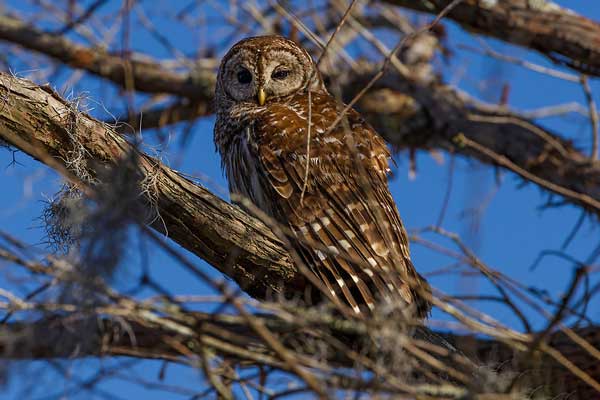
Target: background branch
column 560, row 34
column 229, row 336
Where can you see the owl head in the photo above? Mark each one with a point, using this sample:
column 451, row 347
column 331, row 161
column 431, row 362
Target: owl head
column 266, row 69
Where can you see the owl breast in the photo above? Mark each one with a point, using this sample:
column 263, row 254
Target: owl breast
column 243, row 172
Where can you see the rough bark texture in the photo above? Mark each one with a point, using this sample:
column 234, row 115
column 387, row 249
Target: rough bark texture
column 132, row 74
column 562, row 35
column 236, row 244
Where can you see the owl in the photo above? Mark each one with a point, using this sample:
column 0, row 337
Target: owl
column 318, row 170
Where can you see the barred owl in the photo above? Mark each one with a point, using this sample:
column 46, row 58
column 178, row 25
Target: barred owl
column 325, row 182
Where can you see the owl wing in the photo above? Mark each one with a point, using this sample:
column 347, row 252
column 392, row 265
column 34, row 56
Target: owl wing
column 347, row 226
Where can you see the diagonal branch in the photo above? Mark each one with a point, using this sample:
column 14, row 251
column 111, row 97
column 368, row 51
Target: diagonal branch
column 146, row 76
column 409, row 115
column 558, row 33
column 235, row 243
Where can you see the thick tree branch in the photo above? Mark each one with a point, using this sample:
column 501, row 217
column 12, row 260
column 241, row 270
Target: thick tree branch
column 229, row 239
column 562, row 35
column 437, row 117
column 230, row 337
column 133, row 74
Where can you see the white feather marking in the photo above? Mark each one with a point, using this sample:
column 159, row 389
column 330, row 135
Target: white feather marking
column 331, row 139
column 344, row 243
column 380, row 249
column 350, row 234
column 372, row 261
column 354, row 278
column 341, row 282
column 325, row 221
column 322, row 256
column 351, row 207
column 316, row 226
column 356, row 309
column 364, row 227
column 333, row 250
column 368, row 272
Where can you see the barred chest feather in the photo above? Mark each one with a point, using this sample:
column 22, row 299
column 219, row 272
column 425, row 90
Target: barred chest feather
column 242, row 168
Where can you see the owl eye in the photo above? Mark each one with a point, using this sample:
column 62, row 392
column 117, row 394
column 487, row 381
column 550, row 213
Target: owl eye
column 280, row 74
column 244, row 76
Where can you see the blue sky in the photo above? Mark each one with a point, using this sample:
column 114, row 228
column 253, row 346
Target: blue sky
column 508, row 234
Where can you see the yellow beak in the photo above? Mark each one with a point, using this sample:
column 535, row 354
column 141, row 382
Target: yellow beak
column 262, row 96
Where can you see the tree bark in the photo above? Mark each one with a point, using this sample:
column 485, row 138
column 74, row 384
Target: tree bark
column 37, row 121
column 558, row 33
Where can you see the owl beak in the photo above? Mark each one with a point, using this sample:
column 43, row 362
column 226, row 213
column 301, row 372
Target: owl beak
column 262, row 96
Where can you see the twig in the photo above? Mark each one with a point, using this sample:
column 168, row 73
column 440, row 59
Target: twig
column 305, row 184
column 593, row 116
column 462, row 140
column 388, row 59
column 337, row 29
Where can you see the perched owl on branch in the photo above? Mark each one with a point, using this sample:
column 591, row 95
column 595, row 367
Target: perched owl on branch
column 288, row 147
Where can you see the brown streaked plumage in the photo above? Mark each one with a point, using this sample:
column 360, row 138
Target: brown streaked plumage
column 346, row 225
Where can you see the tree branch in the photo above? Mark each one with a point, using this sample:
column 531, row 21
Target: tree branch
column 61, row 337
column 560, row 34
column 235, row 243
column 409, row 115
column 144, row 75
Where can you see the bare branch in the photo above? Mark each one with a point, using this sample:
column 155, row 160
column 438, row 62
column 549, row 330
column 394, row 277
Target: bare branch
column 229, row 336
column 237, row 244
column 432, row 117
column 146, row 75
column 560, row 34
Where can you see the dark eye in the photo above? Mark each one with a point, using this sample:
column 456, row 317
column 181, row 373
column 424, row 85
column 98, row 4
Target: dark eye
column 244, row 76
column 280, row 74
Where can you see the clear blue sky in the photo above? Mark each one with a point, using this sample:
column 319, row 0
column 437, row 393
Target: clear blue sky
column 508, row 234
